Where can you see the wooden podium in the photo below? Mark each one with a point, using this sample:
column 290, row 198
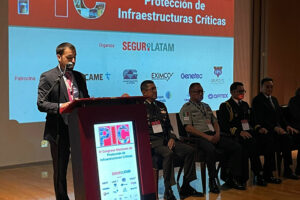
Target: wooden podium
column 84, row 115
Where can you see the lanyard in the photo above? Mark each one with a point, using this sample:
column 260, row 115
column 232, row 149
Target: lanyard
column 69, row 82
column 200, row 108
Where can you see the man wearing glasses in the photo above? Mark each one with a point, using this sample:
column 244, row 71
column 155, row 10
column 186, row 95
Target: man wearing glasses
column 202, row 126
column 235, row 120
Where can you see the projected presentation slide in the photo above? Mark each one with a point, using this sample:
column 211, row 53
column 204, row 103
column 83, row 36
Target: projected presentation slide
column 120, row 44
column 117, row 161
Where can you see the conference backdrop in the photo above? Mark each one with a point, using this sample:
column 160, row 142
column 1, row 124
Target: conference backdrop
column 121, row 43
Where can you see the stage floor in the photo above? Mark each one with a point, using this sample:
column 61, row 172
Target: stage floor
column 34, row 182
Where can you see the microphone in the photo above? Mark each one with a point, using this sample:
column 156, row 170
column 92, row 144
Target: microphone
column 69, row 66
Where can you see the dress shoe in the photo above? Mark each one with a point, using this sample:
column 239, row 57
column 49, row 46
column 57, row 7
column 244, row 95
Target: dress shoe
column 188, row 191
column 235, row 184
column 168, row 195
column 259, row 180
column 213, row 186
column 291, row 176
column 274, row 180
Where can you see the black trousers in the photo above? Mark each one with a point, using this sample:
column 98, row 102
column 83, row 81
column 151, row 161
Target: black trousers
column 249, row 151
column 285, row 144
column 184, row 152
column 266, row 147
column 60, row 152
column 231, row 156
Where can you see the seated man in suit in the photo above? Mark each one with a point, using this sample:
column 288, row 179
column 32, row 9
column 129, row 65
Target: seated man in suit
column 164, row 143
column 234, row 119
column 270, row 123
column 200, row 123
column 294, row 115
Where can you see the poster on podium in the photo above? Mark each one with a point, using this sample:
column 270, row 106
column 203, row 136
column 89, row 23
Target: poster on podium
column 117, row 161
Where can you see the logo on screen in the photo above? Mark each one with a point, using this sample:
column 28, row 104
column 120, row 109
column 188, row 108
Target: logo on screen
column 23, row 7
column 89, row 13
column 114, row 135
column 218, row 70
column 162, row 76
column 191, row 76
column 97, row 77
column 216, row 96
column 143, row 46
column 130, row 76
column 168, row 95
column 161, row 99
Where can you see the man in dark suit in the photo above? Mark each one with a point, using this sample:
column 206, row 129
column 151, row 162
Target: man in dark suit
column 164, row 143
column 57, row 88
column 271, row 125
column 294, row 119
column 234, row 119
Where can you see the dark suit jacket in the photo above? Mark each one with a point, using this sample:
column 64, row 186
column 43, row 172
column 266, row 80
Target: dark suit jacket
column 157, row 111
column 294, row 111
column 230, row 115
column 50, row 104
column 265, row 115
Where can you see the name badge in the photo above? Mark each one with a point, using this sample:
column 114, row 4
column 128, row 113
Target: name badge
column 210, row 126
column 245, row 125
column 156, row 127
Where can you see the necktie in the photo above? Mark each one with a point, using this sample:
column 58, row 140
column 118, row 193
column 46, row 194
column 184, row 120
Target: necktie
column 240, row 103
column 271, row 102
column 69, row 85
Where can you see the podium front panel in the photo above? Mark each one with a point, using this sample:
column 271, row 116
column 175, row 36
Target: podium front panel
column 84, row 124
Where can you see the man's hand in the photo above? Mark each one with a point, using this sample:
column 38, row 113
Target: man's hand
column 209, row 138
column 171, row 143
column 213, row 138
column 263, row 131
column 291, row 130
column 279, row 130
column 245, row 135
column 64, row 105
column 216, row 138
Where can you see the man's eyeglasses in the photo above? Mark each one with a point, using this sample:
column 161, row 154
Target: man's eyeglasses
column 241, row 91
column 152, row 88
column 198, row 91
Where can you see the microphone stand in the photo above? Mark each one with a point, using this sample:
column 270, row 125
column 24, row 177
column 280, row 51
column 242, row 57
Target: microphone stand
column 58, row 102
column 55, row 82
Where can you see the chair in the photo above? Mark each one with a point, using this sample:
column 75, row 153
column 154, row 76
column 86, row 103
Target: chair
column 199, row 155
